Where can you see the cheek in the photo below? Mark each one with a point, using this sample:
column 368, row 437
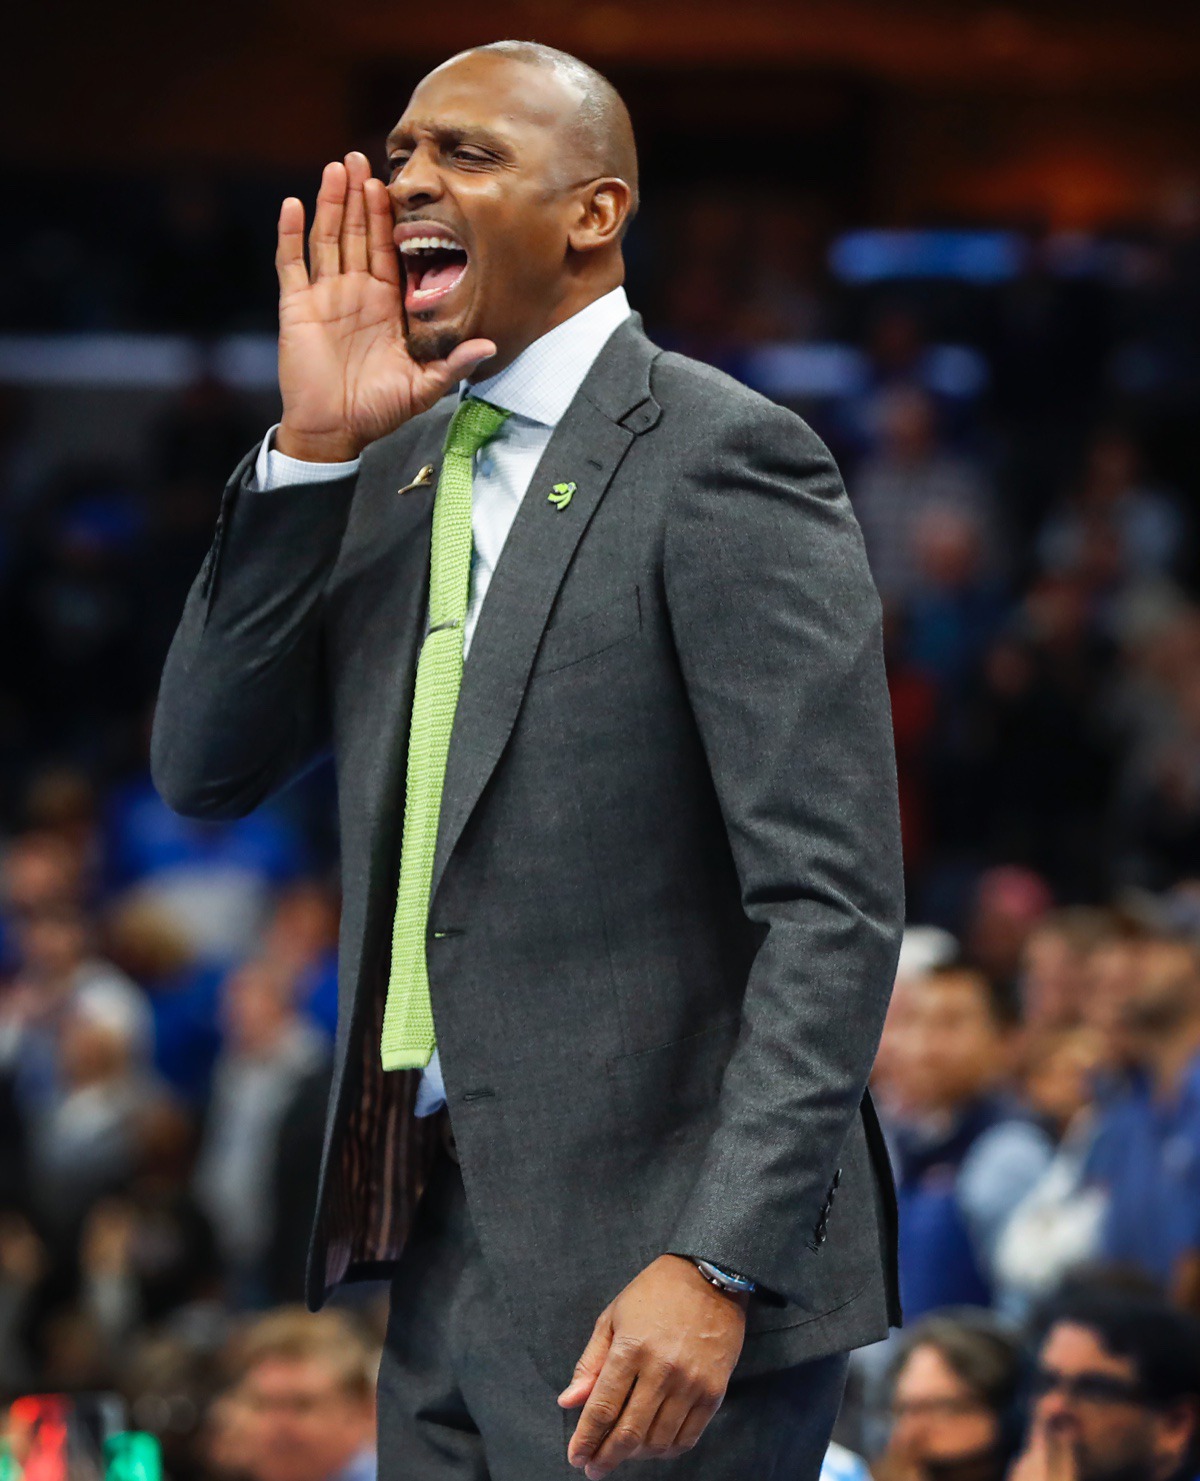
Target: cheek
column 1110, row 1437
column 966, row 1433
column 521, row 250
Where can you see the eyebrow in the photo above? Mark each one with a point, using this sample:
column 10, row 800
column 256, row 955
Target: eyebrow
column 448, row 135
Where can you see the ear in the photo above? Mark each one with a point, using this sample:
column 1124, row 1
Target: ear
column 603, row 206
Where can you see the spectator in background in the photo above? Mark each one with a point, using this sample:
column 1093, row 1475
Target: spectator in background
column 75, row 599
column 147, row 1255
column 922, row 950
column 1008, row 904
column 87, row 1140
column 59, row 970
column 269, row 1052
column 786, row 289
column 146, row 941
column 1158, row 630
column 898, row 356
column 1052, row 978
column 1147, row 1149
column 1056, row 1227
column 910, row 479
column 958, row 604
column 24, row 1264
column 1158, row 806
column 38, row 869
column 954, row 1389
column 170, row 1379
column 1114, row 523
column 1111, row 965
column 213, row 879
column 964, row 1153
column 199, row 436
column 302, row 935
column 306, row 1393
column 1025, row 763
column 1116, row 1393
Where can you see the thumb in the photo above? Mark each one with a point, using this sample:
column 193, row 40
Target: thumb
column 587, row 1369
column 463, row 358
column 1059, row 1454
column 433, row 379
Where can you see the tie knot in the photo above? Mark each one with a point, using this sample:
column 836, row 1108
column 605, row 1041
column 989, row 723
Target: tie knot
column 473, row 424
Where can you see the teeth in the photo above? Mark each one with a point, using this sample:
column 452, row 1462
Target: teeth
column 414, row 245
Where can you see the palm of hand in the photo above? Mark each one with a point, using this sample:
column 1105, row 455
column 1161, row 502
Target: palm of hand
column 342, row 357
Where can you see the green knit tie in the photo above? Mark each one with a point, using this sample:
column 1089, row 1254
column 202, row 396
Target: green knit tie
column 408, row 1037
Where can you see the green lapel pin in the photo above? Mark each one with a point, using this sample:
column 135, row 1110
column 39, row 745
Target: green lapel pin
column 560, row 495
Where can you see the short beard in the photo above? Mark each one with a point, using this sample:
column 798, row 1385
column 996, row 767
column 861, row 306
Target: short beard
column 426, row 344
column 1140, row 1468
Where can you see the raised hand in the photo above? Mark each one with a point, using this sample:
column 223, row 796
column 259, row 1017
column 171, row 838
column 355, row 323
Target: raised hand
column 345, row 375
column 1048, row 1455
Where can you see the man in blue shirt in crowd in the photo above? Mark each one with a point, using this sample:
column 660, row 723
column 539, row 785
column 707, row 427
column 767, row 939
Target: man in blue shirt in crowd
column 1147, row 1149
column 964, row 1153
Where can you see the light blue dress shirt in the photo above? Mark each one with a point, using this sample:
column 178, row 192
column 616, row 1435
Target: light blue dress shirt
column 536, row 388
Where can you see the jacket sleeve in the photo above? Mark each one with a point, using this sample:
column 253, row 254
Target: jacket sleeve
column 777, row 626
column 241, row 705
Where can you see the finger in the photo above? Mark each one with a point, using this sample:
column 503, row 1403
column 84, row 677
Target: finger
column 1058, row 1454
column 605, row 1402
column 696, row 1422
column 436, row 378
column 464, row 358
column 667, row 1423
column 628, row 1435
column 289, row 249
column 384, row 259
column 353, row 240
column 323, row 253
column 591, row 1360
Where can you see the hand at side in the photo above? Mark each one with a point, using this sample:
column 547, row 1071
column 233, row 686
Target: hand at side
column 655, row 1369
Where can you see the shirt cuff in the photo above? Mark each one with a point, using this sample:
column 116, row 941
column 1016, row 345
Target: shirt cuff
column 274, row 470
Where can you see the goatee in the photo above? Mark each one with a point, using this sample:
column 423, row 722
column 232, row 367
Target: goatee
column 426, row 343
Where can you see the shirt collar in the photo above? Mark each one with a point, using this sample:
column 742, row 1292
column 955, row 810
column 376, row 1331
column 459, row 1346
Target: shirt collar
column 542, row 381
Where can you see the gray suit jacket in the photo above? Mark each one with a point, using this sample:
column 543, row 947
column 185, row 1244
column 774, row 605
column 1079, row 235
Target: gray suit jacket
column 667, row 895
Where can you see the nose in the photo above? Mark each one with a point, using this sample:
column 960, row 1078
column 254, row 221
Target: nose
column 417, row 184
column 1052, row 1407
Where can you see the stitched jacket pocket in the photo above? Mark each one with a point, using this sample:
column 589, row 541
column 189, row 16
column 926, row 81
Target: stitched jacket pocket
column 571, row 638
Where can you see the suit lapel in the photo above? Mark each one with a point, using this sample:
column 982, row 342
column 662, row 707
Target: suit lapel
column 613, row 406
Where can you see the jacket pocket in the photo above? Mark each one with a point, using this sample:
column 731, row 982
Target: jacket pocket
column 571, row 638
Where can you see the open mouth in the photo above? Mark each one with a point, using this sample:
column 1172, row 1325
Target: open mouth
column 434, row 265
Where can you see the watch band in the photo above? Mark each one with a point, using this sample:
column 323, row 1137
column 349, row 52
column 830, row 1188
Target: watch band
column 728, row 1281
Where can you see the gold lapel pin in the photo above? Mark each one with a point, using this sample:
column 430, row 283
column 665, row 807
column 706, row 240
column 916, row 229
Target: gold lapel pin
column 421, row 481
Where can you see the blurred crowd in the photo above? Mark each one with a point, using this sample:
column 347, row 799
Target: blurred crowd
column 1022, row 459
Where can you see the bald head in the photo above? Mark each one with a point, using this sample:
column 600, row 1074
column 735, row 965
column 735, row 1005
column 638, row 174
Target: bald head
column 603, row 132
column 514, row 174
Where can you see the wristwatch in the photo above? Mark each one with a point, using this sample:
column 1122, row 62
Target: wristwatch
column 728, row 1281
